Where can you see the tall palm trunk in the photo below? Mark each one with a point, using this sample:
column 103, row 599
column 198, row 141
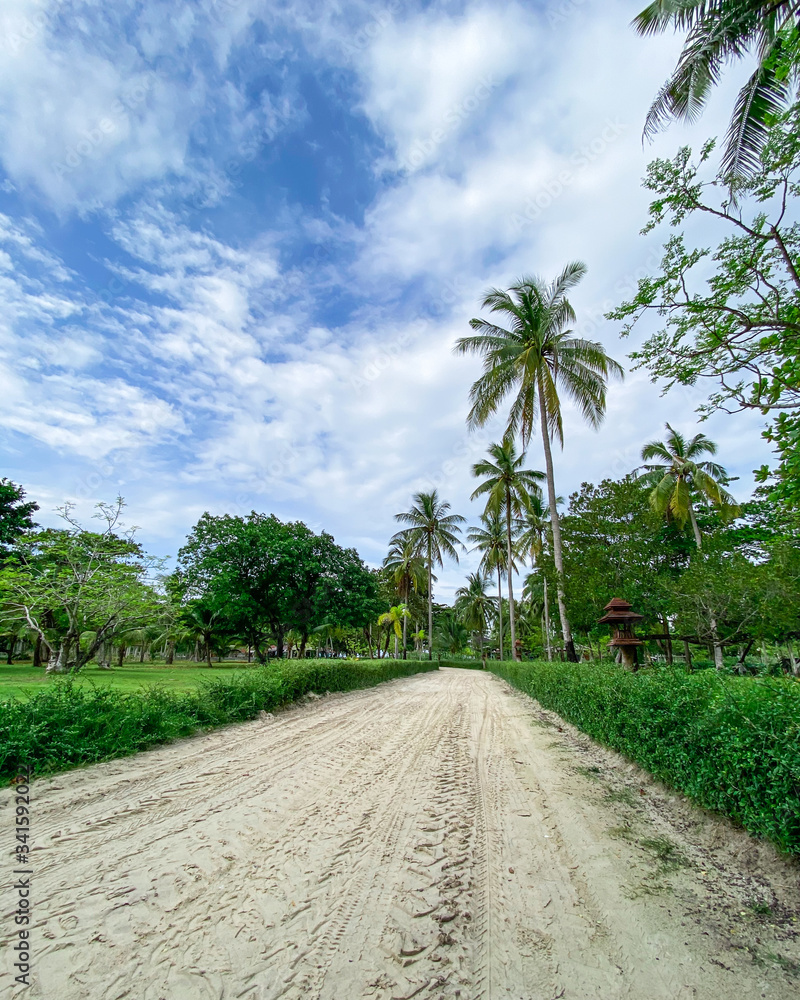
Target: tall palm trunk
column 430, row 600
column 511, row 616
column 558, row 554
column 500, row 610
column 405, row 624
column 719, row 662
column 547, row 622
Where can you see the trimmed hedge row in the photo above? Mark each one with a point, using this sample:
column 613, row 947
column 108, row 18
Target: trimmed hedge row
column 730, row 743
column 66, row 725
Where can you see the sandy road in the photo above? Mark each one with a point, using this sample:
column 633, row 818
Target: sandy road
column 433, row 837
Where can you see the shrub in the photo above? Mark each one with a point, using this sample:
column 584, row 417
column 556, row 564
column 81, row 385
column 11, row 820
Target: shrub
column 730, row 743
column 67, row 725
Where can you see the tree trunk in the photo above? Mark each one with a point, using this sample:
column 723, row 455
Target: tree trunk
column 688, row 654
column 511, row 616
column 793, row 662
column 141, row 653
column 697, row 537
column 37, row 651
column 169, row 659
column 208, row 650
column 500, row 610
column 120, row 656
column 668, row 644
column 405, row 624
column 744, row 649
column 430, row 601
column 555, row 523
column 547, row 621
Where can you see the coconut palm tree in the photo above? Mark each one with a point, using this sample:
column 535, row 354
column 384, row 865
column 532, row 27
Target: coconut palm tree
column 720, row 32
column 434, row 532
column 451, row 634
column 507, row 488
column 392, row 619
column 406, row 568
column 535, row 359
column 491, row 542
column 474, row 606
column 680, row 473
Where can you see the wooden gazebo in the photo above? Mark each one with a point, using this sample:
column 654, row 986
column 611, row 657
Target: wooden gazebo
column 621, row 618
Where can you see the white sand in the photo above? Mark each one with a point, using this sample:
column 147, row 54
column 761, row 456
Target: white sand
column 432, row 837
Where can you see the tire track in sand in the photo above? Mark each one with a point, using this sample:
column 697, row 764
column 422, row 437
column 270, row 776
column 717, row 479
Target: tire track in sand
column 420, row 839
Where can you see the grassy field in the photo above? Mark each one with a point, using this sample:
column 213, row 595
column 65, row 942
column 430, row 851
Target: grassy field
column 58, row 724
column 20, row 679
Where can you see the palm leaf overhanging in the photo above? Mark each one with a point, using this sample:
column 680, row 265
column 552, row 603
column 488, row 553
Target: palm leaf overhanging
column 719, row 32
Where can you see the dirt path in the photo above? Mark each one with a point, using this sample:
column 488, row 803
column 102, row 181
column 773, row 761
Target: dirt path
column 438, row 836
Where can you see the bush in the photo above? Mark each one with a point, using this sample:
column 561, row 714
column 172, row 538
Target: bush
column 66, row 725
column 730, row 743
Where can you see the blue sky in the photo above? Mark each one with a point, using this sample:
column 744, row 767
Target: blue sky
column 238, row 240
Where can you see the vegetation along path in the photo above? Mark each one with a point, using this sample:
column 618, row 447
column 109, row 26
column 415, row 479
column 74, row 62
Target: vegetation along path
column 439, row 836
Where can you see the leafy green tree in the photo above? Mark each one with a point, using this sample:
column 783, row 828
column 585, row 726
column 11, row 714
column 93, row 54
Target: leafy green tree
column 680, row 473
column 489, row 539
column 535, row 358
column 474, row 607
column 732, row 312
column 265, row 578
column 507, row 488
column 722, row 598
column 617, row 546
column 239, row 568
column 407, row 570
column 720, row 32
column 16, row 513
column 68, row 582
column 434, row 532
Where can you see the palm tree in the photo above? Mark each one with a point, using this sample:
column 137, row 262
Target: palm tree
column 490, row 541
column 407, row 570
column 673, row 480
column 679, row 473
column 507, row 488
column 451, row 634
column 204, row 623
column 532, row 530
column 391, row 619
column 433, row 531
column 719, row 32
column 536, row 358
column 474, row 606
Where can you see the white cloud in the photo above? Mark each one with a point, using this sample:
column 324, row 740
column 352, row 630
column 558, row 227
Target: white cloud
column 222, row 387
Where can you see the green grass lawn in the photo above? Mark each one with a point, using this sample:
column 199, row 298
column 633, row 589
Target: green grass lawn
column 20, row 679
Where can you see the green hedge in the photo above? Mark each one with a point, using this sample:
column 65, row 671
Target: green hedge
column 730, row 743
column 67, row 725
